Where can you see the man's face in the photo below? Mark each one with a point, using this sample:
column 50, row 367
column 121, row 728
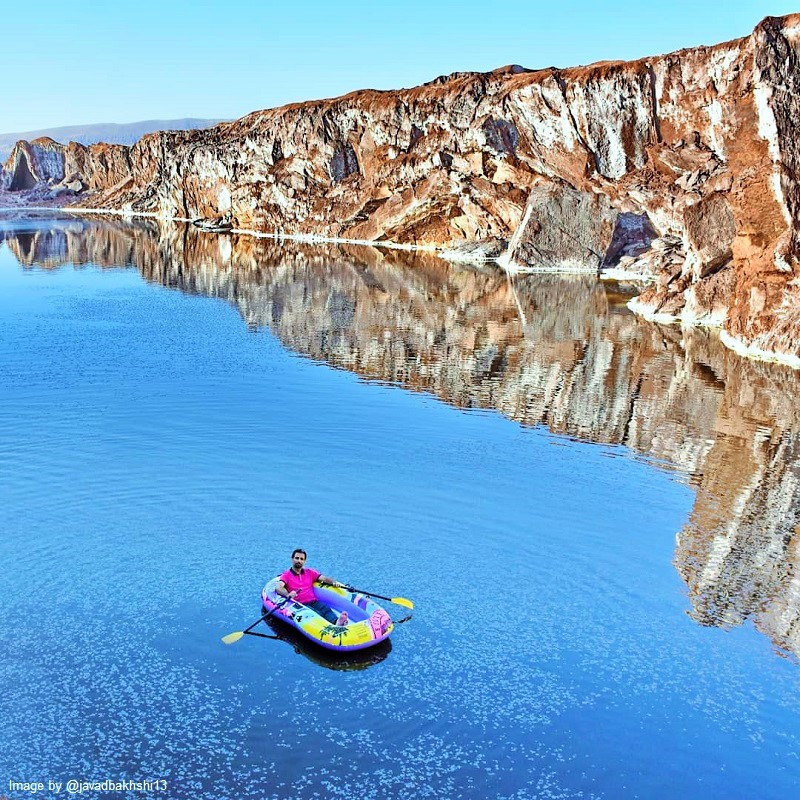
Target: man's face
column 298, row 560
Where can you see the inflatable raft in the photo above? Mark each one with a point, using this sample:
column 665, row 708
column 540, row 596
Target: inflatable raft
column 368, row 623
column 337, row 661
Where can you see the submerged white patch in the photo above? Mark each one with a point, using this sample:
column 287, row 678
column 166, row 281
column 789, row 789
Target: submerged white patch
column 457, row 257
column 753, row 351
column 566, row 267
column 647, row 313
column 615, row 274
column 511, row 266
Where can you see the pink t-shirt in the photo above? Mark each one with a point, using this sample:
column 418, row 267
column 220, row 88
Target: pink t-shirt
column 302, row 584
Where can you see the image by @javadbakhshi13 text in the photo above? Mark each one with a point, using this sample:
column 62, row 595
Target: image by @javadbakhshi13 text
column 73, row 786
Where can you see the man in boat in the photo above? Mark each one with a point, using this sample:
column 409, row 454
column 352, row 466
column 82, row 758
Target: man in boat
column 297, row 583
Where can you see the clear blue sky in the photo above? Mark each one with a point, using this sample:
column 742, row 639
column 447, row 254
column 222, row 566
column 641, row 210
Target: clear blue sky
column 70, row 63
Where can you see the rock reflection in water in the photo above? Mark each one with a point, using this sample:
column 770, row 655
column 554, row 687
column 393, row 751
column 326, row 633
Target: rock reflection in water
column 552, row 350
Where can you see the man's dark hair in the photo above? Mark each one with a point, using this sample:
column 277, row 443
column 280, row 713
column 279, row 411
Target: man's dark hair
column 299, row 550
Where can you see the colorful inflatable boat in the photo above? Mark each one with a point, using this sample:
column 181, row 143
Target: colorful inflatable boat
column 368, row 622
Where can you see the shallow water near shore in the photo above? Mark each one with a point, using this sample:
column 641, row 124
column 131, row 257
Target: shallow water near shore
column 595, row 517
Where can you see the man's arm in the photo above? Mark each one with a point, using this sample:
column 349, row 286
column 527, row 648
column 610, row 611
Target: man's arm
column 280, row 588
column 324, row 579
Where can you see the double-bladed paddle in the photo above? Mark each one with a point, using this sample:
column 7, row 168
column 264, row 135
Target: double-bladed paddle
column 236, row 635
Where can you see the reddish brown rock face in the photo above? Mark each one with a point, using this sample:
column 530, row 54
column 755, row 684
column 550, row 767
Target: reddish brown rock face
column 683, row 167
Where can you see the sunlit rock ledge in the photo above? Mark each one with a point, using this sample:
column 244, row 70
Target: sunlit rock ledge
column 680, row 168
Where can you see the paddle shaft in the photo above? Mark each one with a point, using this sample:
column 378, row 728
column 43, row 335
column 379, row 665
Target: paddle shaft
column 267, row 615
column 372, row 594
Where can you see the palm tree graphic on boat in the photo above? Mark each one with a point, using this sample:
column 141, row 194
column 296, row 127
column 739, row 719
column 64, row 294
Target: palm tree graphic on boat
column 334, row 630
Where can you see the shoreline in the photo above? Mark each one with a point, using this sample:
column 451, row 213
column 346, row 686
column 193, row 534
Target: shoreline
column 739, row 347
column 311, row 238
column 733, row 343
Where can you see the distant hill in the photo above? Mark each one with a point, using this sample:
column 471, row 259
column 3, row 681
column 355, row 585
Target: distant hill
column 110, row 132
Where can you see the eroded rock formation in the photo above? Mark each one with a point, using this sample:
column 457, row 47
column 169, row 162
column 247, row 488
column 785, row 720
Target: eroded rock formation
column 543, row 350
column 32, row 164
column 683, row 167
column 46, row 169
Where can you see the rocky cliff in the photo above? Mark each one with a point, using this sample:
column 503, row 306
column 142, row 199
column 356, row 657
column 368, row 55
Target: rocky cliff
column 124, row 133
column 44, row 169
column 683, row 167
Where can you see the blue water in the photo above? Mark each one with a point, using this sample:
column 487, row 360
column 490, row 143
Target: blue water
column 160, row 459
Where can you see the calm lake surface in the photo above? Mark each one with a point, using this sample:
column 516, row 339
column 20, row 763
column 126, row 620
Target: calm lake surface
column 595, row 516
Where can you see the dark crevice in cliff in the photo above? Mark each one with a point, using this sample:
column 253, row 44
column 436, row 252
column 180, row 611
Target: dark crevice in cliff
column 23, row 178
column 656, row 122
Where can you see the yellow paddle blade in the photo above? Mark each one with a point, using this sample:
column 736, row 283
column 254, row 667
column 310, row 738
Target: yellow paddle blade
column 233, row 637
column 403, row 601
